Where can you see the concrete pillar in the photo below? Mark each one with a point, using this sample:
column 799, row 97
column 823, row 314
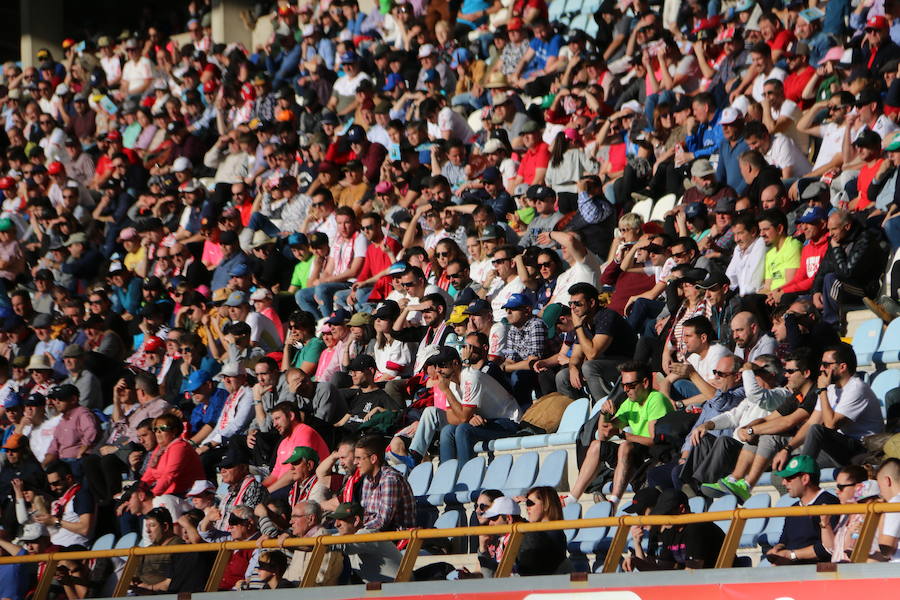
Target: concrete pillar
column 227, row 26
column 42, row 27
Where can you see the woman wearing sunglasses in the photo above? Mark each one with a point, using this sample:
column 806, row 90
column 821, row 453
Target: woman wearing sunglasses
column 487, row 544
column 174, row 465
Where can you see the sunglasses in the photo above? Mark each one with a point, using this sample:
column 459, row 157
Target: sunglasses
column 844, row 486
column 824, row 364
column 544, row 264
column 442, row 254
column 498, row 261
column 368, row 228
column 235, row 520
column 630, row 385
column 161, row 429
column 264, row 565
column 407, row 284
column 718, row 373
column 576, row 303
column 454, row 275
column 185, row 349
column 529, row 502
column 483, row 507
column 429, row 310
column 790, row 371
column 682, row 254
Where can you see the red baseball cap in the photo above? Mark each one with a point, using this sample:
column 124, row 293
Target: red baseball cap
column 55, row 168
column 515, row 24
column 210, row 86
column 877, row 22
column 114, row 136
column 154, row 344
column 6, row 183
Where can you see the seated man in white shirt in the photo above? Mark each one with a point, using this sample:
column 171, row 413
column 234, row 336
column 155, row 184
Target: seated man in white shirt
column 747, row 267
column 779, row 150
column 779, row 114
column 689, row 382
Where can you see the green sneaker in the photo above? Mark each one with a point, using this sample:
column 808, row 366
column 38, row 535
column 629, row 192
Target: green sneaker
column 739, row 488
column 713, row 490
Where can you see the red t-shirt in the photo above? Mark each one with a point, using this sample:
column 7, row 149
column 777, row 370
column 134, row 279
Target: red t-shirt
column 617, row 157
column 534, row 159
column 781, row 40
column 866, row 175
column 376, row 261
column 794, row 84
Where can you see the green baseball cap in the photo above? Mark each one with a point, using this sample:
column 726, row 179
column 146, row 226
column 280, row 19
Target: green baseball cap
column 551, row 315
column 801, row 463
column 302, row 453
column 347, row 510
column 894, row 146
column 6, row 224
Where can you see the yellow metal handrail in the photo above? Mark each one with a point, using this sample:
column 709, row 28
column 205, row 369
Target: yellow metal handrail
column 415, row 537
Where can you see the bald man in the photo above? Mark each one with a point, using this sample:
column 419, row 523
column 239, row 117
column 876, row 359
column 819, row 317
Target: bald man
column 749, row 338
column 889, row 485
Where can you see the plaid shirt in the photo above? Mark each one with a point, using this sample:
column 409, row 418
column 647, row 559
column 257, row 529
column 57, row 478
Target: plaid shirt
column 527, row 340
column 388, row 501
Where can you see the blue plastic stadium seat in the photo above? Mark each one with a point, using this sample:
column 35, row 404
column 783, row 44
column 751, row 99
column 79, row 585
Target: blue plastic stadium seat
column 555, row 10
column 553, row 469
column 573, row 418
column 590, row 539
column 866, row 340
column 468, row 482
column 442, row 482
column 510, row 443
column 449, row 519
column 420, row 478
column 522, row 474
column 129, row 540
column 104, row 542
column 753, row 527
column 765, row 479
column 590, row 7
column 497, row 472
column 571, row 512
column 579, row 22
column 889, row 347
column 885, row 382
column 402, row 468
column 697, row 504
column 724, row 503
column 772, row 531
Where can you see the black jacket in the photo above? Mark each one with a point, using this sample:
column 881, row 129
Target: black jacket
column 858, row 262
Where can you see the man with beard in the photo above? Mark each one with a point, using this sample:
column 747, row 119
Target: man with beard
column 706, row 186
column 340, row 463
column 287, row 421
column 71, row 517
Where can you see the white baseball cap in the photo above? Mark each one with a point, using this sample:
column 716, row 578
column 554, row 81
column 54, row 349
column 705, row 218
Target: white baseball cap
column 181, row 164
column 201, row 486
column 504, row 505
column 426, row 50
column 729, row 116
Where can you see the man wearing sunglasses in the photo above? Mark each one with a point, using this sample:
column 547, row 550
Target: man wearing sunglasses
column 638, row 413
column 801, row 538
column 374, row 561
column 847, row 412
column 380, row 255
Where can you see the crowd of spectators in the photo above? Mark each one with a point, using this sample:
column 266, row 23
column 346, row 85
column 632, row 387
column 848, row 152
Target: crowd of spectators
column 244, row 290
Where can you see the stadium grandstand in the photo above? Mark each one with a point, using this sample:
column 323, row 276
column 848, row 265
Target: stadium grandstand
column 484, row 299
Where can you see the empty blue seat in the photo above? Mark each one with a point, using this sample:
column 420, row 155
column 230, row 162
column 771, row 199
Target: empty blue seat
column 866, row 340
column 590, row 7
column 772, row 531
column 697, row 504
column 442, row 482
column 553, row 469
column 129, row 540
column 510, row 443
column 579, row 22
column 826, row 475
column 449, row 519
column 573, row 418
column 889, row 347
column 468, row 482
column 765, row 479
column 724, row 503
column 885, row 382
column 571, row 512
column 589, row 539
column 497, row 472
column 522, row 475
column 104, row 542
column 555, row 10
column 420, row 478
column 753, row 527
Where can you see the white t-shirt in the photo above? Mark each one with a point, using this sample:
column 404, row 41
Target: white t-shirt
column 790, row 110
column 832, row 143
column 112, row 67
column 484, row 392
column 891, row 527
column 135, row 73
column 499, row 297
column 346, row 86
column 585, row 271
column 39, row 437
column 449, row 119
column 761, row 79
column 704, row 366
column 263, row 331
column 785, row 153
column 858, row 403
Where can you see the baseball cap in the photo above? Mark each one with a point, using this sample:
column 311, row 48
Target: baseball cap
column 235, row 455
column 196, row 379
column 713, row 279
column 391, row 82
column 729, row 116
column 460, row 55
column 531, row 127
column 238, row 328
column 725, row 205
column 201, row 486
column 349, row 57
column 491, row 175
column 387, row 311
column 346, row 511
column 444, row 354
column 302, row 453
column 491, row 232
column 241, row 269
column 540, row 192
column 811, row 15
column 66, row 390
column 426, row 50
column 694, row 210
column 517, row 301
column 356, row 134
column 877, row 22
column 802, row 463
column 360, row 319
column 478, row 306
column 702, row 168
column 868, row 139
column 431, row 76
column 867, row 96
column 35, row 399
column 504, row 505
column 33, row 532
column 361, row 363
column 339, row 317
column 813, row 214
column 12, row 400
column 693, row 275
column 551, row 315
column 669, row 502
column 493, row 145
column 73, row 351
column 233, row 369
column 237, row 299
column 457, row 315
column 643, row 499
column 297, row 239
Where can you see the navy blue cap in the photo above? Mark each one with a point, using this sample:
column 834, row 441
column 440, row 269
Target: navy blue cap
column 491, row 175
column 477, row 307
column 694, row 210
column 339, row 317
column 356, row 134
column 813, row 214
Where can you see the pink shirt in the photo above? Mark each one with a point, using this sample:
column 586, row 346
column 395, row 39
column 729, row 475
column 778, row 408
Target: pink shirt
column 76, row 428
column 302, row 435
